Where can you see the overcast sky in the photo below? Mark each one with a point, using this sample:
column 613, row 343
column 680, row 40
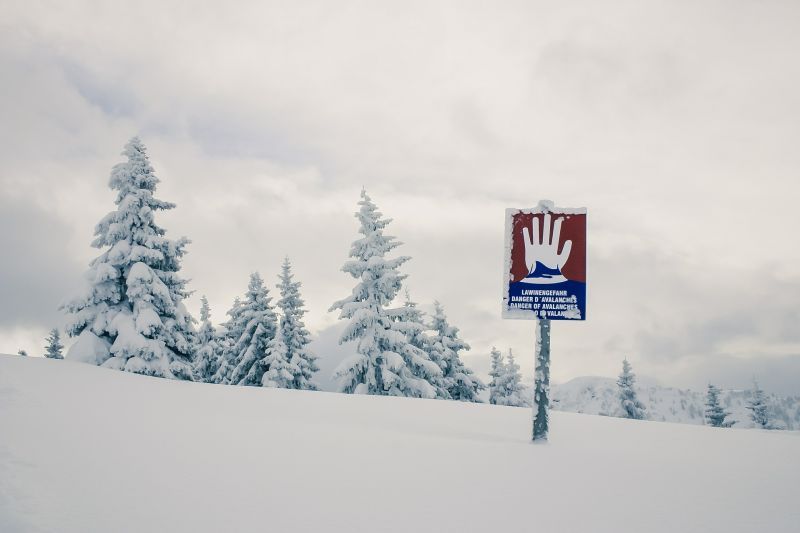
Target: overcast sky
column 674, row 123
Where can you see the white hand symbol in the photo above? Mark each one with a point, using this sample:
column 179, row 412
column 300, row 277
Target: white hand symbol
column 545, row 251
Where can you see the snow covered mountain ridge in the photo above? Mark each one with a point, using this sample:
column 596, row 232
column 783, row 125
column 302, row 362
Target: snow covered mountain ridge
column 598, row 396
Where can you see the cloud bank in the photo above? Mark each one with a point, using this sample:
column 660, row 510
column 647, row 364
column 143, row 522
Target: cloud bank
column 674, row 124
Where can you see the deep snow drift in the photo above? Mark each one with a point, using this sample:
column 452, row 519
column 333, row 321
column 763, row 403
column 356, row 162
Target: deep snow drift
column 89, row 449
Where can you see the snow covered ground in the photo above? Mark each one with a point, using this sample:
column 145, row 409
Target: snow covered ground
column 89, row 449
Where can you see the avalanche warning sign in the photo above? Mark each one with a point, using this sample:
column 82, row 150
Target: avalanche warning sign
column 545, row 267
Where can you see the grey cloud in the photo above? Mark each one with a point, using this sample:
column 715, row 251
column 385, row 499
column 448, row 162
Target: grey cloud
column 264, row 122
column 221, row 133
column 38, row 271
column 779, row 375
column 113, row 98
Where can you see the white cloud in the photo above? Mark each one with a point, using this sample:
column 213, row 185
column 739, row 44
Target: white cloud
column 673, row 123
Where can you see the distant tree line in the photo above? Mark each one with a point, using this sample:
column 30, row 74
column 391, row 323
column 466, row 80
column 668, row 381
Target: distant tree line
column 133, row 318
column 715, row 414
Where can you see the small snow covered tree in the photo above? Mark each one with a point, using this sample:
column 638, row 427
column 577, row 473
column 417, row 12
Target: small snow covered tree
column 513, row 389
column 23, row 353
column 385, row 362
column 132, row 317
column 629, row 402
column 295, row 337
column 256, row 325
column 757, row 404
column 506, row 387
column 276, row 369
column 411, row 322
column 715, row 414
column 208, row 354
column 497, row 373
column 231, row 331
column 54, row 347
column 460, row 382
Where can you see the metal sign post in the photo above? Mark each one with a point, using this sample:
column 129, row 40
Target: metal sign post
column 541, row 390
column 545, row 279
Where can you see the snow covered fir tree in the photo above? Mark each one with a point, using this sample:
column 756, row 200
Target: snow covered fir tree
column 132, row 317
column 506, row 386
column 276, row 369
column 385, row 362
column 293, row 333
column 249, row 333
column 226, row 339
column 446, row 345
column 411, row 321
column 630, row 405
column 757, row 404
column 715, row 414
column 208, row 353
column 515, row 391
column 497, row 374
column 54, row 348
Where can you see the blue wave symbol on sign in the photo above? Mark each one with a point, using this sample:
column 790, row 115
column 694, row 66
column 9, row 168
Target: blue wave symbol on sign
column 544, row 272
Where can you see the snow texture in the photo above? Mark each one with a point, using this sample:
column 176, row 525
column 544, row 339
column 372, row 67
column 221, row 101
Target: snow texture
column 89, row 348
column 158, row 455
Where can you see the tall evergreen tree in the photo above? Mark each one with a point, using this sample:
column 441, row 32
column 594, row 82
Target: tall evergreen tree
column 208, row 355
column 385, row 362
column 256, row 326
column 757, row 404
column 715, row 414
column 629, row 402
column 293, row 332
column 497, row 372
column 460, row 382
column 133, row 318
column 54, row 347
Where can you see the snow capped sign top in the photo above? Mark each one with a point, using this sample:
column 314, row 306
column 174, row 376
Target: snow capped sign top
column 545, row 268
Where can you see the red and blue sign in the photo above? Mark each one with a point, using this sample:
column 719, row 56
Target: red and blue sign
column 545, row 274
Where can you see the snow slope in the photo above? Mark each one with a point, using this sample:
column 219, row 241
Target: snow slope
column 89, row 449
column 598, row 396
